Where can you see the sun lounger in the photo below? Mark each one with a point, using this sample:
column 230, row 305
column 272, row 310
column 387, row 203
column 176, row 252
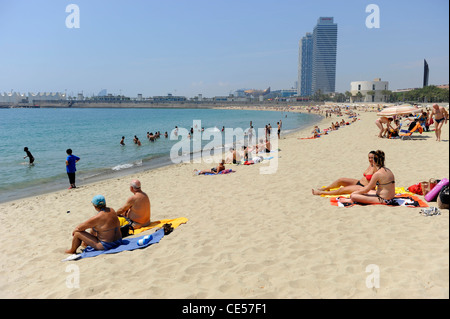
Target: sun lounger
column 408, row 134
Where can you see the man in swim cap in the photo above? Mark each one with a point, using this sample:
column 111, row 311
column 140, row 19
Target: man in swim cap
column 105, row 227
column 137, row 207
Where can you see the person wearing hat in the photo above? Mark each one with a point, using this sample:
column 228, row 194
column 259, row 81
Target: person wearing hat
column 105, row 229
column 137, row 208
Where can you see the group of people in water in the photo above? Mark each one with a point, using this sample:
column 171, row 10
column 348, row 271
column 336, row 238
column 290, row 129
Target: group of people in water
column 105, row 226
column 390, row 126
column 376, row 186
column 249, row 133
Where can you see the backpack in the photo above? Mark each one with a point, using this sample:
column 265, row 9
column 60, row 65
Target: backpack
column 443, row 197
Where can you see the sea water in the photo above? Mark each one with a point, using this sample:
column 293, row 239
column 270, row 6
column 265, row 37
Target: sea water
column 94, row 134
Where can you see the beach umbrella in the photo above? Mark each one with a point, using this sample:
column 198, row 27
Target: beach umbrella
column 399, row 110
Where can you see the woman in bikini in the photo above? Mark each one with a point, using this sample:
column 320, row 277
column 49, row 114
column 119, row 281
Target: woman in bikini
column 379, row 122
column 214, row 170
column 384, row 180
column 349, row 185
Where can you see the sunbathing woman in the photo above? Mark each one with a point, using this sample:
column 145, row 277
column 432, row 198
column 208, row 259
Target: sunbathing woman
column 214, row 170
column 349, row 185
column 384, row 180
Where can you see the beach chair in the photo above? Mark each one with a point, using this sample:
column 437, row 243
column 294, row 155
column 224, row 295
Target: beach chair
column 407, row 134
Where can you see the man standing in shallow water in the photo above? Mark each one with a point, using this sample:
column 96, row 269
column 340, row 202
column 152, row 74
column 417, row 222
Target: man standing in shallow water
column 137, row 207
column 71, row 167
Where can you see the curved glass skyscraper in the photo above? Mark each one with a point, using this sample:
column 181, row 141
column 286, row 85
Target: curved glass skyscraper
column 324, row 56
column 317, row 59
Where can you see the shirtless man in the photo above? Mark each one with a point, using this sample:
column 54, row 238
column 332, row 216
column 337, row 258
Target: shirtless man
column 105, row 227
column 137, row 207
column 440, row 115
column 233, row 157
column 279, row 129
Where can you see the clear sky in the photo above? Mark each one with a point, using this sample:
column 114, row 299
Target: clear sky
column 212, row 47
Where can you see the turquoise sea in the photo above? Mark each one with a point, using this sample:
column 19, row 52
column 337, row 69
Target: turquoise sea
column 94, row 135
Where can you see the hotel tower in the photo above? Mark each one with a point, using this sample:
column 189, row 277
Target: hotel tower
column 317, row 59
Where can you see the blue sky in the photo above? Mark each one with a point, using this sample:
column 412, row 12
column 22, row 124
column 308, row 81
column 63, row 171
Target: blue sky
column 212, row 47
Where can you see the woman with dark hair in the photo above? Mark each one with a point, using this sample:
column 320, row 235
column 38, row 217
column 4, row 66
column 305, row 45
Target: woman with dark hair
column 383, row 179
column 349, row 185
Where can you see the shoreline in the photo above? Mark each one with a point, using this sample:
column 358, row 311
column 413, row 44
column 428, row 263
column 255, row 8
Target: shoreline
column 106, row 173
column 249, row 235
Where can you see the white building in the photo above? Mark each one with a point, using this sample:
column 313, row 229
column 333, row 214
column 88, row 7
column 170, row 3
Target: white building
column 45, row 96
column 365, row 87
column 12, row 97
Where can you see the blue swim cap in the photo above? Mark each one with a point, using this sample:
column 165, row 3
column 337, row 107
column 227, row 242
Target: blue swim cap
column 99, row 201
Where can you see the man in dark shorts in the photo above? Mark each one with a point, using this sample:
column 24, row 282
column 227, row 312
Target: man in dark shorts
column 71, row 160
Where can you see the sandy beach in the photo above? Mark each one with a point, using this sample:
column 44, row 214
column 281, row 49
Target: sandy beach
column 248, row 235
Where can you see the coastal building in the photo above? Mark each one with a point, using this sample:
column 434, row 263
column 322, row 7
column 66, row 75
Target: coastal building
column 305, row 64
column 369, row 91
column 12, row 98
column 45, row 96
column 324, row 56
column 168, row 98
column 31, row 98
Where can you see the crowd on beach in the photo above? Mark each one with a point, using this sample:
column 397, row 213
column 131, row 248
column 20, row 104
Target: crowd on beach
column 376, row 186
column 390, row 127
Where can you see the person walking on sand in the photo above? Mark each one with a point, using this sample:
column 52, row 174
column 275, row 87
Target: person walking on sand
column 440, row 118
column 71, row 168
column 29, row 155
column 137, row 207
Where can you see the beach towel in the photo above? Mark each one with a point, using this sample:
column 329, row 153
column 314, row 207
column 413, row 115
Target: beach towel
column 159, row 223
column 398, row 191
column 308, row 138
column 226, row 171
column 404, row 200
column 127, row 245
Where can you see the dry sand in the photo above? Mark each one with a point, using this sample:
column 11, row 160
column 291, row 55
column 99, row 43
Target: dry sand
column 249, row 235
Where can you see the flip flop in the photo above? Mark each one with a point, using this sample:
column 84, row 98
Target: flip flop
column 72, row 257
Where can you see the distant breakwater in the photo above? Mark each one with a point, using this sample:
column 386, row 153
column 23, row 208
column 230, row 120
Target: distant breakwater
column 188, row 105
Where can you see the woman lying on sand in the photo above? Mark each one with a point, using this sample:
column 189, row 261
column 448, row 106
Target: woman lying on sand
column 349, row 185
column 214, row 170
column 384, row 180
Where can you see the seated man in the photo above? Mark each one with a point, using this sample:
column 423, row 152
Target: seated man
column 105, row 227
column 137, row 208
column 268, row 146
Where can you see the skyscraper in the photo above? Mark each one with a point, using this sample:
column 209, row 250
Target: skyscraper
column 426, row 71
column 324, row 56
column 305, row 58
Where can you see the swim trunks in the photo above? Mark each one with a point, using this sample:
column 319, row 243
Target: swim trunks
column 111, row 245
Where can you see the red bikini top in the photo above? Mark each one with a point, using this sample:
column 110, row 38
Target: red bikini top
column 368, row 177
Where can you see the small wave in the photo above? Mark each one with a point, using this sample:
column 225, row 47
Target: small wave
column 127, row 165
column 121, row 166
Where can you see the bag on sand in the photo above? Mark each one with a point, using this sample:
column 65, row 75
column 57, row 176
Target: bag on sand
column 443, row 198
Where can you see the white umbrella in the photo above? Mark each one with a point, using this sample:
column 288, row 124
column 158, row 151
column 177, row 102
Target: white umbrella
column 399, row 110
